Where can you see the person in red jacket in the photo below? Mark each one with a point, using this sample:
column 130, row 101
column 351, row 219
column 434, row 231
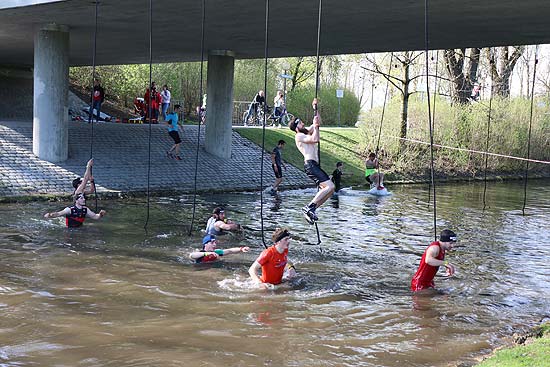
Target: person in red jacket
column 273, row 261
column 433, row 258
column 152, row 96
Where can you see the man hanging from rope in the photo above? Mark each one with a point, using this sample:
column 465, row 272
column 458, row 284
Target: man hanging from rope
column 306, row 142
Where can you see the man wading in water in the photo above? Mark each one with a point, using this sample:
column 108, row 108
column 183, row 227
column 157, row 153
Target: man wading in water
column 433, row 258
column 306, row 142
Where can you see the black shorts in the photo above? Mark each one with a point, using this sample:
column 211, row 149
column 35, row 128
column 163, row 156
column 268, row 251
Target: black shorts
column 314, row 171
column 279, row 172
column 175, row 136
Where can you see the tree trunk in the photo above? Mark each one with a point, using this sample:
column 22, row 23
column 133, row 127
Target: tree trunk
column 405, row 101
column 462, row 80
column 502, row 68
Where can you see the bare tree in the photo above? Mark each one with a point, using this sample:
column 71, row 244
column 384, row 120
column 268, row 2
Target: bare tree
column 404, row 60
column 462, row 65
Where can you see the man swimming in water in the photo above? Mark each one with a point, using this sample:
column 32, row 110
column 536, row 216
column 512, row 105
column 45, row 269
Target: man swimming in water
column 306, row 142
column 210, row 253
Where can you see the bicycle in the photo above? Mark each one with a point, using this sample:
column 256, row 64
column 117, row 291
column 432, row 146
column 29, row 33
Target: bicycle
column 254, row 118
column 281, row 119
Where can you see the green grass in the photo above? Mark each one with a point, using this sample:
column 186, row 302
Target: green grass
column 533, row 354
column 337, row 144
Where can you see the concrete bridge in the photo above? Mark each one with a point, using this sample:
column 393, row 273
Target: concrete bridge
column 48, row 36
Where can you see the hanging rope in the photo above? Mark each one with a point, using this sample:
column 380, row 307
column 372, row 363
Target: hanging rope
column 91, row 119
column 384, row 104
column 315, row 106
column 383, row 113
column 149, row 107
column 266, row 48
column 529, row 132
column 200, row 117
column 491, row 62
column 433, row 117
column 426, row 44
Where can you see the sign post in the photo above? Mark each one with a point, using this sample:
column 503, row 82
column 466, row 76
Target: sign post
column 339, row 95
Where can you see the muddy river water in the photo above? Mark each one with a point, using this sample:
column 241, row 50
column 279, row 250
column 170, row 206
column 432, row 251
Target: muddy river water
column 113, row 294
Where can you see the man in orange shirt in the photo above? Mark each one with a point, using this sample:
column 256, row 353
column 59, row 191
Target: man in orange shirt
column 273, row 261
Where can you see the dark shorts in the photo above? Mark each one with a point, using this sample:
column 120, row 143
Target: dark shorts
column 279, row 172
column 175, row 136
column 314, row 171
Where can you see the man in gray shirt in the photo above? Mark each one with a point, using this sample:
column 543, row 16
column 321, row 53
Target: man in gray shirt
column 277, row 164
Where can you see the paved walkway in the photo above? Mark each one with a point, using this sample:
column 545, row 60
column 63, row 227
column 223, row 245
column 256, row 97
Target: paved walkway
column 120, row 154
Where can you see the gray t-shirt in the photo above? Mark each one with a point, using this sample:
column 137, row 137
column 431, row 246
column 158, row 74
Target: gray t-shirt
column 277, row 153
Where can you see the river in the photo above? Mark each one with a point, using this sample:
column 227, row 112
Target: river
column 112, row 294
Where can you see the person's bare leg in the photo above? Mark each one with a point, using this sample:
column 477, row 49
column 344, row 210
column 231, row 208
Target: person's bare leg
column 327, row 189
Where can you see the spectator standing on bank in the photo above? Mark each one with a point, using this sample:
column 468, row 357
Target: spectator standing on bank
column 152, row 97
column 98, row 96
column 166, row 96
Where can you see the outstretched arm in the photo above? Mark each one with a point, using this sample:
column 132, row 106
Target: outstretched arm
column 230, row 226
column 65, row 211
column 236, row 250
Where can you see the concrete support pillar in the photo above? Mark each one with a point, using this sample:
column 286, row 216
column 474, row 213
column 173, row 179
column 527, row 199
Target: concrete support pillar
column 50, row 106
column 219, row 103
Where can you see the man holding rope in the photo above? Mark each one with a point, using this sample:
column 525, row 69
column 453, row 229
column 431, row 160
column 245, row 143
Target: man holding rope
column 306, row 142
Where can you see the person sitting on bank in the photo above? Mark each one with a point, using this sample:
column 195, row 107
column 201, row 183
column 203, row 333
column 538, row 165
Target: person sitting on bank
column 371, row 172
column 210, row 253
column 433, row 258
column 80, row 184
column 76, row 214
column 273, row 261
column 218, row 225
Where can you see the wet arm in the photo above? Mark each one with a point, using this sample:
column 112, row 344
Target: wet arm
column 236, row 250
column 96, row 216
column 63, row 212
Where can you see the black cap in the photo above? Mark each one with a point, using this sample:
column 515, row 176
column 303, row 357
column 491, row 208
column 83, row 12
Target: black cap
column 447, row 236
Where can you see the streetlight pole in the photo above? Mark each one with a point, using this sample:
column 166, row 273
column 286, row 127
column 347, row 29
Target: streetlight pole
column 285, row 66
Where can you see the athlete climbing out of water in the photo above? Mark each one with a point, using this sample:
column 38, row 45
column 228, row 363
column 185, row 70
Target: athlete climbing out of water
column 306, row 142
column 273, row 261
column 76, row 214
column 218, row 224
column 433, row 258
column 80, row 184
column 371, row 172
column 210, row 253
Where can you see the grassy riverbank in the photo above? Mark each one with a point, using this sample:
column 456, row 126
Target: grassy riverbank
column 337, row 144
column 348, row 145
column 533, row 352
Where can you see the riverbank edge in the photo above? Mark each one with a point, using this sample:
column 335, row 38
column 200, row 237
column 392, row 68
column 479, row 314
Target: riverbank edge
column 535, row 337
column 140, row 193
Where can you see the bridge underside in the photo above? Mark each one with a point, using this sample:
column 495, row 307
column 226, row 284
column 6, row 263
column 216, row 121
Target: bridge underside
column 348, row 26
